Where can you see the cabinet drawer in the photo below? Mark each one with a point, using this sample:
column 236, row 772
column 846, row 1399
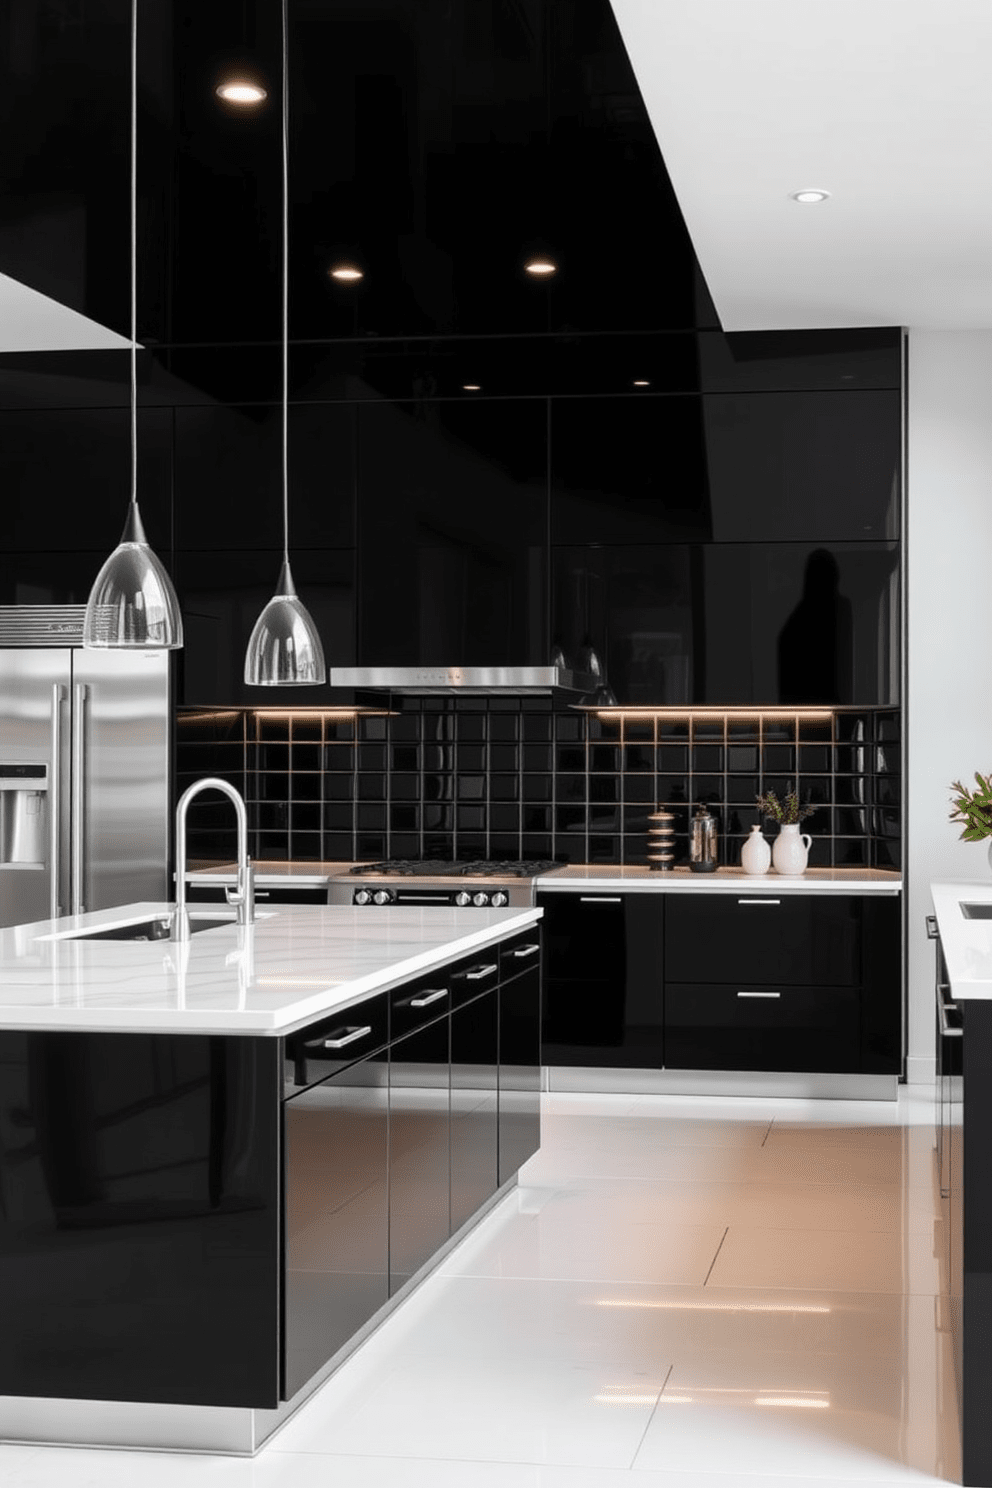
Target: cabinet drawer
column 583, row 936
column 416, row 1004
column 753, row 1027
column 473, row 976
column 519, row 954
column 324, row 1048
column 797, row 939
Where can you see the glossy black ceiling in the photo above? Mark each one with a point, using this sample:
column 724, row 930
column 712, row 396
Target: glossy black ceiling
column 435, row 143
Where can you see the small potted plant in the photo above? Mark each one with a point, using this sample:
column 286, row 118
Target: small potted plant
column 973, row 809
column 790, row 853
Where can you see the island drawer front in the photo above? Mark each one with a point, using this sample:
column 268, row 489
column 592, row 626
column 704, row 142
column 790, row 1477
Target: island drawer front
column 475, row 975
column 750, row 1026
column 520, row 954
column 416, row 1004
column 323, row 1049
column 764, row 938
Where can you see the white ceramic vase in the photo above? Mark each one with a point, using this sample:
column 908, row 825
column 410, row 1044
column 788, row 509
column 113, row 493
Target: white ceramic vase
column 756, row 855
column 791, row 851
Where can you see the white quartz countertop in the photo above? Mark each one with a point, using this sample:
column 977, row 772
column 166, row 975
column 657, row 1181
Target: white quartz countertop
column 294, row 964
column 967, row 944
column 609, row 876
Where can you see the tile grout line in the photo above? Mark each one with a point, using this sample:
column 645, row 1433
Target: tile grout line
column 650, row 1419
column 718, row 1250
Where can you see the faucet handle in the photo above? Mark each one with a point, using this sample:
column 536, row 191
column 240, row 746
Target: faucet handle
column 244, row 895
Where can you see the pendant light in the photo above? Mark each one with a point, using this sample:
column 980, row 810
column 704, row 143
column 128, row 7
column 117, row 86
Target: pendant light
column 284, row 649
column 132, row 604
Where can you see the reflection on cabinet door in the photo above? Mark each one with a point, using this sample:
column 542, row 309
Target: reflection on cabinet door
column 418, row 1150
column 474, row 1054
column 519, row 1071
column 337, row 1218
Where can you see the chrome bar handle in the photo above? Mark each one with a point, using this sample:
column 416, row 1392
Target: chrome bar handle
column 426, row 998
column 80, row 691
column 55, row 801
column 943, row 1008
column 600, row 899
column 526, row 950
column 759, row 901
column 480, row 972
column 759, row 994
column 351, row 1037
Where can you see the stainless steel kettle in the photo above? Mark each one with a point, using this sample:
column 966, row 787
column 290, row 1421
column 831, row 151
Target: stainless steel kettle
column 702, row 841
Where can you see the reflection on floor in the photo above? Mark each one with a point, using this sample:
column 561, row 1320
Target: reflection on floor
column 683, row 1292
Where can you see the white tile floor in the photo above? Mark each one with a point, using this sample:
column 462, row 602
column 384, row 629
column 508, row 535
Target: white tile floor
column 682, row 1293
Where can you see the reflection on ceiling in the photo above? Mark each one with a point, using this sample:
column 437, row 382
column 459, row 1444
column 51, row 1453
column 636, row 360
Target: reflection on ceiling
column 30, row 321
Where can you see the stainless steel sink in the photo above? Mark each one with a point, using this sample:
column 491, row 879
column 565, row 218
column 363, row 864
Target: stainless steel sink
column 158, row 929
column 976, row 911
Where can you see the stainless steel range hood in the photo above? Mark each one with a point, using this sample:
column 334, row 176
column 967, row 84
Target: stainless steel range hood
column 465, row 681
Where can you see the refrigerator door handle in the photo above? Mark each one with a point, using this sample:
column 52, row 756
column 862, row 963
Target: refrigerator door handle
column 81, row 692
column 55, row 801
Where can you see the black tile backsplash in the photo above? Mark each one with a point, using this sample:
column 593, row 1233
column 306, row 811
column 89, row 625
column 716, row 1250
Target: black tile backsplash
column 575, row 787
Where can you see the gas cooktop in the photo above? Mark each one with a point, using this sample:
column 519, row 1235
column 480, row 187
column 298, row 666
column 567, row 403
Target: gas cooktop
column 448, row 868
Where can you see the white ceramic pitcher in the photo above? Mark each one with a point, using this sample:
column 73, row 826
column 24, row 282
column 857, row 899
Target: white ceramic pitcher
column 790, row 853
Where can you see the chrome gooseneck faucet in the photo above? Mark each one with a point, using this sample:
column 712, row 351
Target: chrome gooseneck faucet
column 244, row 895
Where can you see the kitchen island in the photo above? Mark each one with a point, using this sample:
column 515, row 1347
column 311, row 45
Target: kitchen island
column 223, row 1161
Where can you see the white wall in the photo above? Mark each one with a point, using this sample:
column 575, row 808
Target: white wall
column 949, row 630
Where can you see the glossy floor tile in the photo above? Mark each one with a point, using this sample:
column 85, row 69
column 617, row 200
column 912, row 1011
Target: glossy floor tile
column 683, row 1292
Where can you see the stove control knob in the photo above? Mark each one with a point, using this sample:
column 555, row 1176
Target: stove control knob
column 361, row 896
column 382, row 896
column 462, row 898
column 480, row 899
column 500, row 897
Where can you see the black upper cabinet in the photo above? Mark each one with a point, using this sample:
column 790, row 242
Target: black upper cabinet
column 66, row 474
column 803, row 466
column 229, row 477
column 223, row 594
column 727, row 623
column 452, row 524
column 628, row 470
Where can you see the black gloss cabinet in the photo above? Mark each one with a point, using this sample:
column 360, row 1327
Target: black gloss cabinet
column 717, row 981
column 604, row 979
column 209, row 1220
column 140, row 1217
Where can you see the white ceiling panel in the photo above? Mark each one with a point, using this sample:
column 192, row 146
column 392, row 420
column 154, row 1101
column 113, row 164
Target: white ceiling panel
column 884, row 103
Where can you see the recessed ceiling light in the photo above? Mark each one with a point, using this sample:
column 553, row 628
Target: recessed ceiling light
column 539, row 266
column 641, row 382
column 809, row 196
column 241, row 90
column 471, row 387
column 346, row 273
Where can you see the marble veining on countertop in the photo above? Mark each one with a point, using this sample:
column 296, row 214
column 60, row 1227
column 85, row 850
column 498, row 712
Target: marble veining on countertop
column 966, row 943
column 723, row 880
column 295, row 963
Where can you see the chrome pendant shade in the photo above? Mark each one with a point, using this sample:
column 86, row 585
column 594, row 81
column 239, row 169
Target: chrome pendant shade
column 284, row 649
column 132, row 605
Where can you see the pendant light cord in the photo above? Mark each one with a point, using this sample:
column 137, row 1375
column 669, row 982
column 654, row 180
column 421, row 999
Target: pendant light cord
column 285, row 284
column 134, row 252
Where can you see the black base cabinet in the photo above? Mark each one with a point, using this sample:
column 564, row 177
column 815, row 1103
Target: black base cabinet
column 209, row 1220
column 140, row 1214
column 604, row 970
column 793, row 982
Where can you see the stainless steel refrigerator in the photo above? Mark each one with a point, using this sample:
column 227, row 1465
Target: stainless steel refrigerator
column 84, row 769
